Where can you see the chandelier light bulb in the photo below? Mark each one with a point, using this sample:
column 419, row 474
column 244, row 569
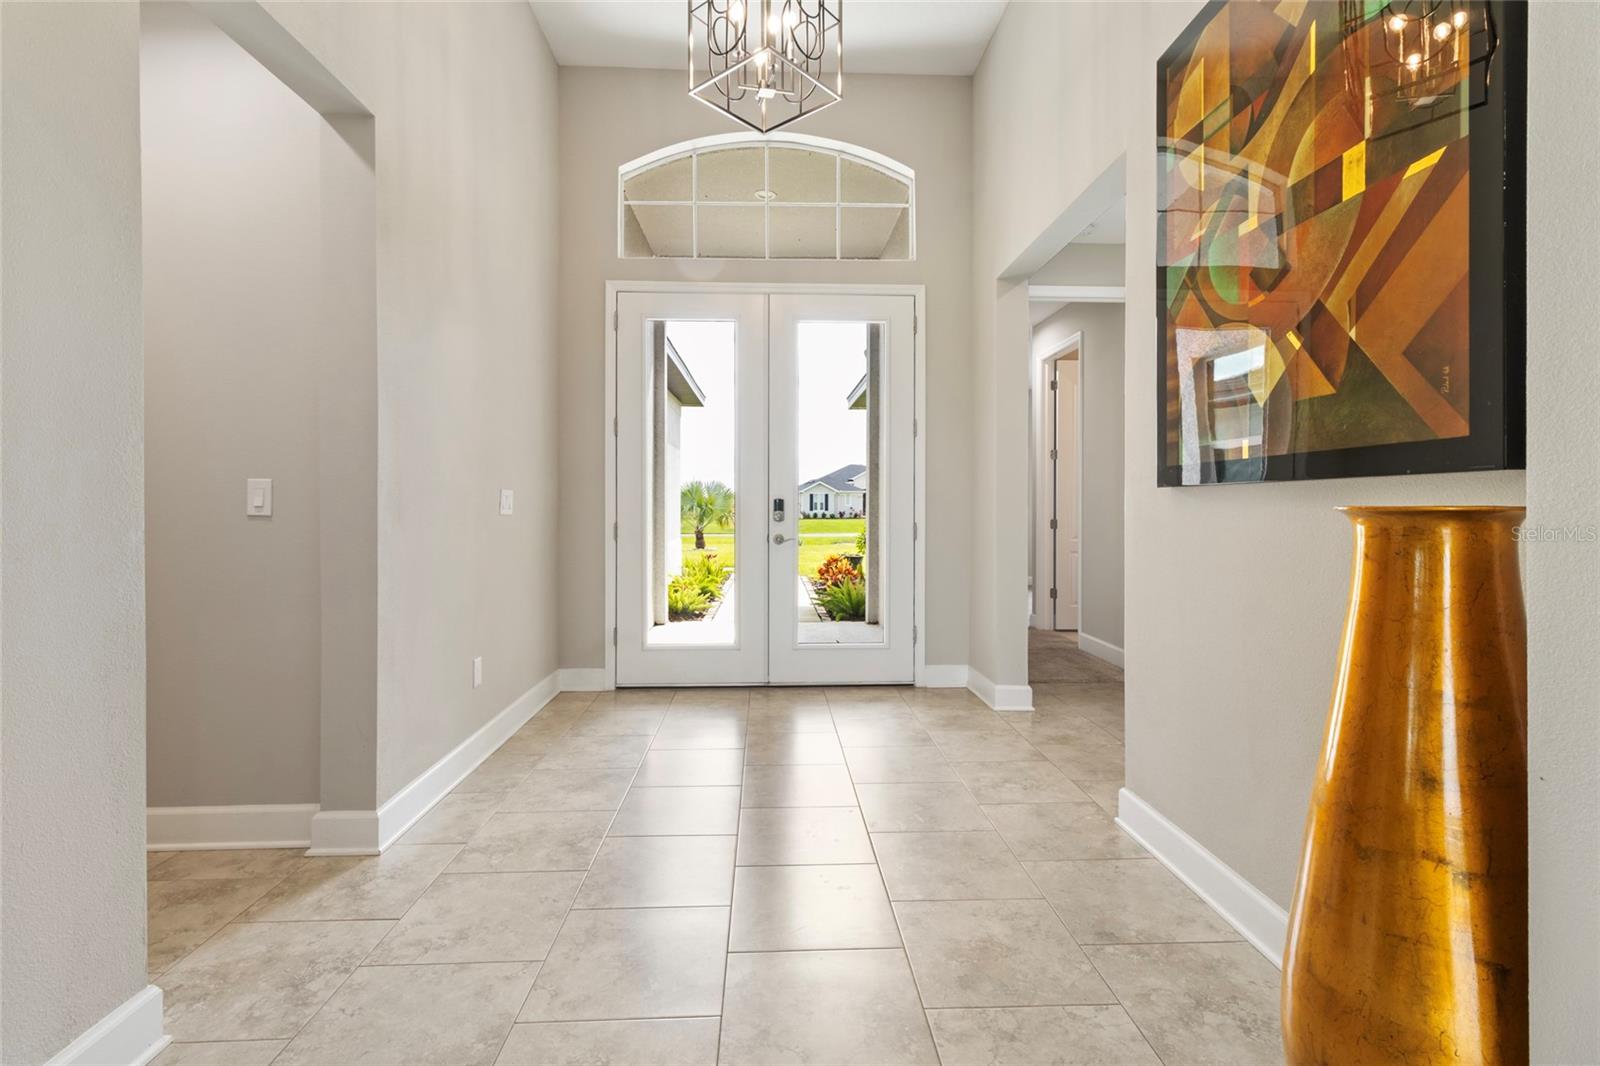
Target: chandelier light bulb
column 1442, row 30
column 1397, row 23
column 736, row 13
column 1414, row 60
column 1459, row 19
column 791, row 18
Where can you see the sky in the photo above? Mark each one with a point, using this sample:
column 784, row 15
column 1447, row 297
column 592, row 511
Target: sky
column 831, row 360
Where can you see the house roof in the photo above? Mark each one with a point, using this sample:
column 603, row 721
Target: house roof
column 857, row 400
column 680, row 382
column 840, row 480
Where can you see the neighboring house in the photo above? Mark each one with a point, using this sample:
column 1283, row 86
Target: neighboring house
column 844, row 491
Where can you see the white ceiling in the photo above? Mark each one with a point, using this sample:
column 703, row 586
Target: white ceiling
column 881, row 36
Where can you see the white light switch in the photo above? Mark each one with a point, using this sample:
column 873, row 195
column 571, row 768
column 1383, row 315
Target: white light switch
column 258, row 497
column 507, row 497
column 477, row 671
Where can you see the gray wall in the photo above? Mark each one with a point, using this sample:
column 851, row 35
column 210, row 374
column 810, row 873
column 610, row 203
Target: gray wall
column 1100, row 379
column 72, row 928
column 609, row 117
column 464, row 97
column 232, row 284
column 1204, row 716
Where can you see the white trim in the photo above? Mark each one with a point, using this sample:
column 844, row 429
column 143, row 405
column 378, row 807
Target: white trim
column 344, row 833
column 285, row 825
column 584, row 679
column 1077, row 294
column 613, row 288
column 1245, row 907
column 1100, row 649
column 943, row 676
column 401, row 811
column 130, row 1034
column 728, row 140
column 999, row 697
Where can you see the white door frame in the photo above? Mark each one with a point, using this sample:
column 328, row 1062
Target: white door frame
column 1043, row 487
column 609, row 325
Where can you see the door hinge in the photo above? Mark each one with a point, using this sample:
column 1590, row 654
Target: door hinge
column 613, row 636
column 916, row 324
column 916, row 428
column 614, row 531
column 615, row 426
column 1052, row 523
column 1054, row 455
column 616, row 321
column 916, row 531
column 1052, row 594
column 1052, row 384
column 913, row 634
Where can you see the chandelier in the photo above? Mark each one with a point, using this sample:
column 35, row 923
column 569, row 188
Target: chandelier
column 766, row 63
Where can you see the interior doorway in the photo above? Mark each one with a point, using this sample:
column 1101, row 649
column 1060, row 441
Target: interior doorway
column 765, row 487
column 1060, row 550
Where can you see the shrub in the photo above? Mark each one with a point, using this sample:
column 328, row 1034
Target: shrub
column 845, row 601
column 836, row 568
column 861, row 543
column 705, row 573
column 685, row 601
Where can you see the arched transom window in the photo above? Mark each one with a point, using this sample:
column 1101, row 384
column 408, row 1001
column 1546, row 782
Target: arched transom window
column 782, row 196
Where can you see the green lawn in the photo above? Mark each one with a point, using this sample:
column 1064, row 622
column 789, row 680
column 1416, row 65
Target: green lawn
column 819, row 538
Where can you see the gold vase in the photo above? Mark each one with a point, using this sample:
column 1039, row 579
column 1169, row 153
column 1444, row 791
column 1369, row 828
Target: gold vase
column 1408, row 938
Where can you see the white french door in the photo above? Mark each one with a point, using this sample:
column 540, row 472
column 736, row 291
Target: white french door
column 765, row 488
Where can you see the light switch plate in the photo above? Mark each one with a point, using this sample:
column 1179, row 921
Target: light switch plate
column 258, row 497
column 477, row 671
column 507, row 499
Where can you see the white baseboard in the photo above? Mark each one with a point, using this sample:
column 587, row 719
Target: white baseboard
column 585, row 679
column 129, row 1036
column 1257, row 918
column 1000, row 697
column 936, row 676
column 1100, row 649
column 286, row 825
column 344, row 833
column 402, row 810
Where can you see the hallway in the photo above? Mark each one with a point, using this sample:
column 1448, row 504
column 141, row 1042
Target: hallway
column 758, row 876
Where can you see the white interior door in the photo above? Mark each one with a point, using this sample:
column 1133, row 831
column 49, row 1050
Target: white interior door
column 691, row 413
column 1065, row 451
column 842, row 464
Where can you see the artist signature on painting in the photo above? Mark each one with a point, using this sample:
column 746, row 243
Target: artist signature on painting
column 1557, row 534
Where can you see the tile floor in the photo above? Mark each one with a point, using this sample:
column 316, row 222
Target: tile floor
column 741, row 876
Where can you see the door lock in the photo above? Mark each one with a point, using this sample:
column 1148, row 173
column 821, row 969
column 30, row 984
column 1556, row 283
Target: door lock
column 777, row 509
column 778, row 538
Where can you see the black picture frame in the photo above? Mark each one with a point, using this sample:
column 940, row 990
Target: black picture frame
column 1497, row 319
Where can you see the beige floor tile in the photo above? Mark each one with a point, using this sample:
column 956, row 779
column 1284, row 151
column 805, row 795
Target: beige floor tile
column 1198, row 1003
column 1039, row 1036
column 569, row 790
column 793, row 749
column 536, row 743
column 691, row 766
column 660, row 871
column 1123, row 901
column 184, row 914
column 1018, row 782
column 500, row 772
column 618, row 722
column 963, row 745
column 996, row 953
column 857, row 695
column 1044, row 831
column 797, row 786
column 453, row 819
column 806, row 908
column 224, row 1053
column 692, row 811
column 967, row 717
column 711, row 697
column 802, row 836
column 901, row 730
column 899, row 766
column 153, row 859
column 1089, row 759
column 1103, row 792
column 229, row 865
column 634, row 697
column 966, row 865
column 1111, row 719
column 799, row 718
column 263, row 981
column 782, row 698
column 919, row 808
column 399, row 1015
column 368, row 886
column 690, row 734
column 658, row 1041
column 481, row 918
column 828, row 1007
column 1056, row 726
column 619, row 964
column 545, row 841
column 595, row 753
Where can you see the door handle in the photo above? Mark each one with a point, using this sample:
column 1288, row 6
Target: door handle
column 778, row 538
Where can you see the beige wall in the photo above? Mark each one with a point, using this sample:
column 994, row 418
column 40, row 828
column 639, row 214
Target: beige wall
column 464, row 97
column 1207, row 715
column 1100, row 369
column 72, row 930
column 232, row 283
column 609, row 117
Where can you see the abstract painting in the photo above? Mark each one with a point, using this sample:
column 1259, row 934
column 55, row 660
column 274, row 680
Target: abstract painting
column 1340, row 240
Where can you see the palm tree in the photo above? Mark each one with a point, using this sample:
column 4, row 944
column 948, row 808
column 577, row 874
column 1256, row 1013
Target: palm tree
column 704, row 504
